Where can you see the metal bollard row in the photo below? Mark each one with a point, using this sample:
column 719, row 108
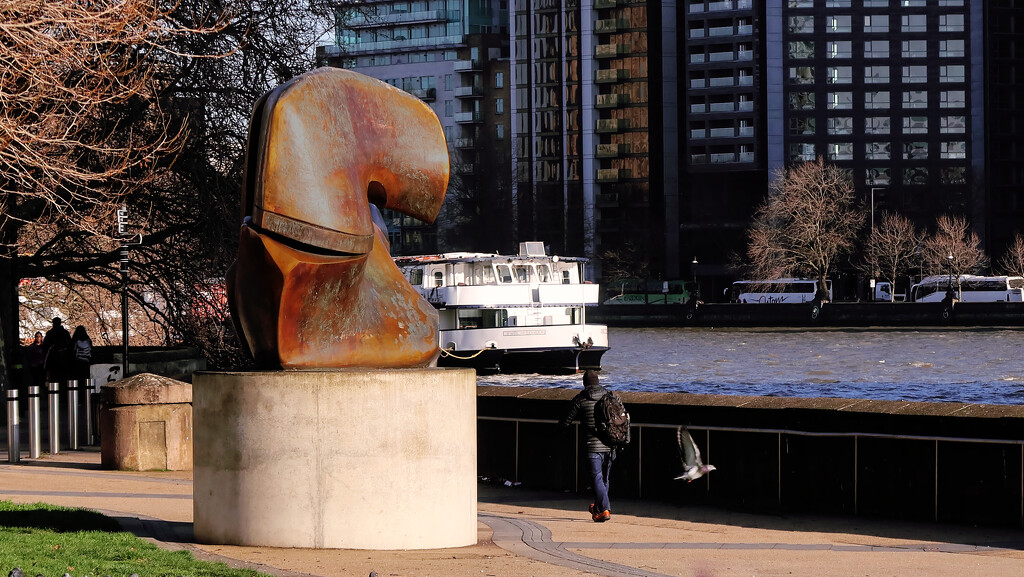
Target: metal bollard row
column 54, row 414
column 73, row 415
column 34, row 436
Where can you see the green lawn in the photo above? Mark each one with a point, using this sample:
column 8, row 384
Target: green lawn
column 48, row 540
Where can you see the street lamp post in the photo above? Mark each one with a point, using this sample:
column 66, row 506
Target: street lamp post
column 696, row 287
column 949, row 272
column 874, row 274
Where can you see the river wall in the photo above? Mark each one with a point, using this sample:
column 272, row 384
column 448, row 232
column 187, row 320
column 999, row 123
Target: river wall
column 944, row 462
column 837, row 314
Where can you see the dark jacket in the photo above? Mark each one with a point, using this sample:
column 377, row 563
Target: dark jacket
column 583, row 407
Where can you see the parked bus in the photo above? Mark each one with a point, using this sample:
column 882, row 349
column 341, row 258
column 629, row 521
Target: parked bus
column 977, row 289
column 783, row 290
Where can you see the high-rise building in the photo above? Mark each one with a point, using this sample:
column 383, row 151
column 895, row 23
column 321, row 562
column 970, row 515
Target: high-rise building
column 454, row 56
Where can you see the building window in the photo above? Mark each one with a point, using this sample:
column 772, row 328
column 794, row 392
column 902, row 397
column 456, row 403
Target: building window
column 915, row 74
column 952, row 124
column 952, row 99
column 840, row 74
column 877, row 176
column 953, row 175
column 801, row 74
column 839, row 49
column 876, row 125
column 801, row 50
column 840, row 125
column 449, row 109
column 951, row 22
column 951, row 2
column 840, row 151
column 915, row 175
column 837, row 3
column 499, row 106
column 876, row 74
column 915, row 125
column 801, row 101
column 801, row 24
column 915, row 48
column 448, row 82
column 915, row 151
column 838, row 24
column 877, row 150
column 801, row 125
column 876, row 3
column 876, row 49
column 953, row 150
column 801, row 151
column 876, row 99
column 913, row 23
column 499, row 79
column 840, row 100
column 915, row 99
column 499, row 131
column 951, row 48
column 876, row 23
column 954, row 73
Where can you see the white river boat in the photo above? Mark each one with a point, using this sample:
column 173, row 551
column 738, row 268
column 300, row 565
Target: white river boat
column 523, row 313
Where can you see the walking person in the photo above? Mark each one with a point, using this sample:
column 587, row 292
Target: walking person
column 35, row 357
column 81, row 354
column 600, row 449
column 57, row 348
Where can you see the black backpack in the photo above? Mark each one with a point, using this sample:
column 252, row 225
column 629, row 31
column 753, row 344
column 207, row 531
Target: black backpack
column 611, row 421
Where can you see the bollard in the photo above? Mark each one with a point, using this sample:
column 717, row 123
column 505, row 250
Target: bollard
column 73, row 415
column 54, row 415
column 13, row 440
column 90, row 401
column 34, row 436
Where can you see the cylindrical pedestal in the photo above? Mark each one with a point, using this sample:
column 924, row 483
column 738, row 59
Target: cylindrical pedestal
column 343, row 459
column 34, row 423
column 73, row 415
column 54, row 417
column 13, row 439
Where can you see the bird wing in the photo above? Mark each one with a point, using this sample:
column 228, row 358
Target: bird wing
column 689, row 454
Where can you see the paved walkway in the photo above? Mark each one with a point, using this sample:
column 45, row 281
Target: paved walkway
column 525, row 533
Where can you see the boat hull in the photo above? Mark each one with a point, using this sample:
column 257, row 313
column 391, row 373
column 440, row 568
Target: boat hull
column 539, row 360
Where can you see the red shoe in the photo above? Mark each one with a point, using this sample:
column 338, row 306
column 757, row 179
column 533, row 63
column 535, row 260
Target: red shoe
column 602, row 516
column 591, row 509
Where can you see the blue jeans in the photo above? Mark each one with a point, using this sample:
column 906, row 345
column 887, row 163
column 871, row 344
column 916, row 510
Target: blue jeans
column 600, row 469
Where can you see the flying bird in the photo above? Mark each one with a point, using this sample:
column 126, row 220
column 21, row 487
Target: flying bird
column 689, row 455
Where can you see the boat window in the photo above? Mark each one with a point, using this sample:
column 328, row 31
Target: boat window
column 565, row 277
column 543, row 273
column 504, row 273
column 438, row 278
column 416, row 277
column 522, row 273
column 491, row 318
column 483, row 275
column 1016, row 282
column 469, row 319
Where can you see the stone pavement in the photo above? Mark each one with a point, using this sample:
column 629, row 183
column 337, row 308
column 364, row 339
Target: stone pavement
column 543, row 534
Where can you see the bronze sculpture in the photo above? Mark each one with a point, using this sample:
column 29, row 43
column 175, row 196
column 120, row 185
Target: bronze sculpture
column 314, row 285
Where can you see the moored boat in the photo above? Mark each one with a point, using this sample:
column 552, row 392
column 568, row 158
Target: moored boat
column 519, row 313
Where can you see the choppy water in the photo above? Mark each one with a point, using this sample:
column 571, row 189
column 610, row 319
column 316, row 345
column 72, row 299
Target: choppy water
column 965, row 365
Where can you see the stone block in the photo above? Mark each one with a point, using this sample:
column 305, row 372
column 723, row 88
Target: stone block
column 146, row 424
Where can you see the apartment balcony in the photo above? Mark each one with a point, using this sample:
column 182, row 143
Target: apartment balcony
column 612, row 174
column 468, row 66
column 435, row 43
column 612, row 100
column 611, row 25
column 463, row 143
column 607, row 199
column 606, row 125
column 424, row 94
column 469, row 92
column 467, row 118
column 363, row 21
column 611, row 50
column 612, row 150
column 611, row 75
column 466, row 169
column 599, row 4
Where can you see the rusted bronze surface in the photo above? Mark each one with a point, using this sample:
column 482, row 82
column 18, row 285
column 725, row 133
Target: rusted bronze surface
column 314, row 285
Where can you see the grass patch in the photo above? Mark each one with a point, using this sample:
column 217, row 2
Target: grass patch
column 49, row 540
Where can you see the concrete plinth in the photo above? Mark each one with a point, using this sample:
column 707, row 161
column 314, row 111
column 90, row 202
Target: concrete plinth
column 146, row 424
column 341, row 459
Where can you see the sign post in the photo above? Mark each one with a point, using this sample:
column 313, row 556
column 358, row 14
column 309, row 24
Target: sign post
column 127, row 239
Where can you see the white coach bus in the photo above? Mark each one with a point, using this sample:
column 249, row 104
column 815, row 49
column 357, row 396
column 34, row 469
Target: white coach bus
column 977, row 289
column 782, row 290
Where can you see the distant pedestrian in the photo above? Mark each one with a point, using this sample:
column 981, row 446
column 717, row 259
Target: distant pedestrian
column 57, row 348
column 35, row 358
column 82, row 354
column 599, row 455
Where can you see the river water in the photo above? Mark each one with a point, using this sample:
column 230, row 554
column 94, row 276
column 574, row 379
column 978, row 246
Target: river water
column 975, row 365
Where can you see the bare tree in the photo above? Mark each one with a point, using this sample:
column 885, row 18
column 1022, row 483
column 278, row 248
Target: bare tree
column 1012, row 262
column 808, row 221
column 891, row 248
column 953, row 249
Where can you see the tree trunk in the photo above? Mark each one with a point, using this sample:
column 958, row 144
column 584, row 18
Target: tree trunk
column 8, row 305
